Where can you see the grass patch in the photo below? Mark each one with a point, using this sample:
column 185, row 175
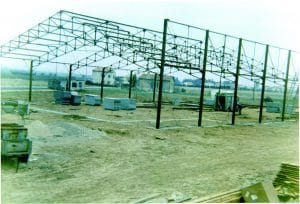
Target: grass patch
column 74, row 117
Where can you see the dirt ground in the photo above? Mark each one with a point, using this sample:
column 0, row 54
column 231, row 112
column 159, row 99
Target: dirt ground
column 85, row 154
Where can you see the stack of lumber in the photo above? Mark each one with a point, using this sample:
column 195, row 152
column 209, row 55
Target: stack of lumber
column 226, row 197
column 286, row 182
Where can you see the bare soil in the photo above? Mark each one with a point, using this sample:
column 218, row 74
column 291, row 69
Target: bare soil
column 85, row 154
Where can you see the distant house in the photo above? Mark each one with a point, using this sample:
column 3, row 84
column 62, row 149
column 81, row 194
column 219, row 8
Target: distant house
column 146, row 83
column 188, row 83
column 109, row 76
column 77, row 85
column 192, row 82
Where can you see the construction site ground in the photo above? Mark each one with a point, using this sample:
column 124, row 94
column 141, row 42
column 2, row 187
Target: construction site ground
column 85, row 154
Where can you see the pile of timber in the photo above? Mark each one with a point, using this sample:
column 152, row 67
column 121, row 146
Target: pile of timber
column 226, row 197
column 286, row 182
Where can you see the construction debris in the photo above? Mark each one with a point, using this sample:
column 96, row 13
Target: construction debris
column 160, row 138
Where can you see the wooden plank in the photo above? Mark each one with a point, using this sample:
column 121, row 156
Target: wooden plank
column 229, row 196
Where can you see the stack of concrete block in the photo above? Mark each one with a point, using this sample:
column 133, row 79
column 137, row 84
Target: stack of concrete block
column 75, row 98
column 273, row 107
column 92, row 100
column 62, row 97
column 119, row 104
column 67, row 97
column 14, row 141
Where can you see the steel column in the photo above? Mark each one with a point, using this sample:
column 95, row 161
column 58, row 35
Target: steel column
column 236, row 81
column 223, row 57
column 70, row 78
column 130, row 84
column 263, row 85
column 161, row 75
column 102, row 83
column 203, row 78
column 286, row 85
column 154, row 87
column 30, row 81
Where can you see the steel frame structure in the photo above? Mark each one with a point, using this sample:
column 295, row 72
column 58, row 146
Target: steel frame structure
column 179, row 47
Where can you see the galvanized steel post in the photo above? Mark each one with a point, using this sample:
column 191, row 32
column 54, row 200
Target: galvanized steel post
column 30, row 81
column 70, row 78
column 263, row 85
column 161, row 75
column 236, row 81
column 203, row 78
column 154, row 87
column 286, row 85
column 130, row 84
column 102, row 83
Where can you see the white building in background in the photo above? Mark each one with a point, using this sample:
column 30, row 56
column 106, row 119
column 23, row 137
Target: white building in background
column 109, row 76
column 77, row 85
column 145, row 82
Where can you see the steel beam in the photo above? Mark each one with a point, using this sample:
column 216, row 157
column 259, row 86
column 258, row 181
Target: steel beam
column 102, row 83
column 30, row 81
column 161, row 75
column 70, row 78
column 263, row 85
column 203, row 79
column 154, row 87
column 237, row 74
column 130, row 84
column 286, row 84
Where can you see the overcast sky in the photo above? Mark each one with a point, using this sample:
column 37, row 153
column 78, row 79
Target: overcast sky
column 269, row 21
column 274, row 22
